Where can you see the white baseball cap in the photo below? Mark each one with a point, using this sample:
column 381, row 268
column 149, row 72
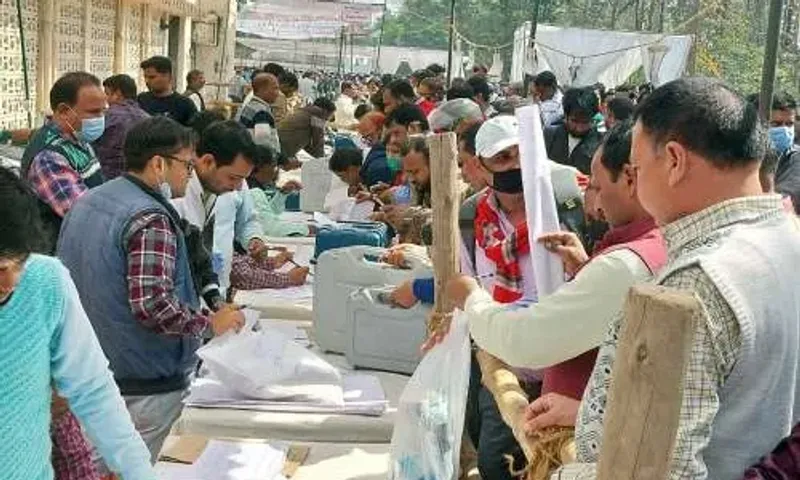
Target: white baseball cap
column 496, row 135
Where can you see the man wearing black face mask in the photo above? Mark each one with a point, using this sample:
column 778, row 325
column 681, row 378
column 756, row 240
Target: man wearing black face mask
column 504, row 267
column 574, row 142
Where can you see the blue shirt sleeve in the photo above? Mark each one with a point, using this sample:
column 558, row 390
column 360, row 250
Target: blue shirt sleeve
column 424, row 290
column 376, row 168
column 81, row 375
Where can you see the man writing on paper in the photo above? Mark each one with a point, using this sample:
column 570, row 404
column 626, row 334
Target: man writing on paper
column 563, row 329
column 135, row 278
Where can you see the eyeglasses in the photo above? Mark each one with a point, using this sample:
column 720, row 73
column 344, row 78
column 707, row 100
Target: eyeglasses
column 189, row 163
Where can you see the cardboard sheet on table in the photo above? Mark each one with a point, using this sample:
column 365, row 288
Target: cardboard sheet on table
column 229, row 460
column 363, row 395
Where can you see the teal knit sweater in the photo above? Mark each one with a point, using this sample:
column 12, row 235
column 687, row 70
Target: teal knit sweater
column 45, row 337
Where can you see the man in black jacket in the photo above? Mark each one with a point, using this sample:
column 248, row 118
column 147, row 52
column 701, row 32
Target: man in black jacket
column 574, row 142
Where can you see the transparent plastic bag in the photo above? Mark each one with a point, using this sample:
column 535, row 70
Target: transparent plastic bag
column 430, row 418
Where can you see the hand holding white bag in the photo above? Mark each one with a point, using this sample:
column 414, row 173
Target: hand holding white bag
column 430, row 418
column 268, row 365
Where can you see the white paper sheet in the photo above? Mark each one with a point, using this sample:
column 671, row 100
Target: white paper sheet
column 363, row 395
column 322, row 219
column 540, row 206
column 225, row 460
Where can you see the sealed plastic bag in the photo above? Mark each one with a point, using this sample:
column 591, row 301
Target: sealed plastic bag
column 266, row 364
column 430, row 418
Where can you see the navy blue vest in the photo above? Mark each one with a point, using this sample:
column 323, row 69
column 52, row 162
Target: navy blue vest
column 91, row 246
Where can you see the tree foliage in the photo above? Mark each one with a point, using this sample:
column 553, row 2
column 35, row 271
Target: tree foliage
column 729, row 34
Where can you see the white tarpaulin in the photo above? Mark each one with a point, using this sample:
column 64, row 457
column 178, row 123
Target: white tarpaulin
column 580, row 57
column 306, row 19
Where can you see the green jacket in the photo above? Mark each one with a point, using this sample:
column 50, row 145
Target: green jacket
column 269, row 205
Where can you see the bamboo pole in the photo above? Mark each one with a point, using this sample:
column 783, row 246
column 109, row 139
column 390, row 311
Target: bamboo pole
column 511, row 399
column 120, row 38
column 646, row 393
column 445, row 200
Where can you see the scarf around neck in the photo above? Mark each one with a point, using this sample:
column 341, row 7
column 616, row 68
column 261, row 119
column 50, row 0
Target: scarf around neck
column 504, row 251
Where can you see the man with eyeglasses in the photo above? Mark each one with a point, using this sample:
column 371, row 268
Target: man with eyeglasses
column 126, row 249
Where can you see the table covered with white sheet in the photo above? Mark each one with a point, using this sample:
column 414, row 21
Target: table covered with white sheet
column 243, row 420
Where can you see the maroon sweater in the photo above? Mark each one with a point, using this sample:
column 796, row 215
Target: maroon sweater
column 642, row 238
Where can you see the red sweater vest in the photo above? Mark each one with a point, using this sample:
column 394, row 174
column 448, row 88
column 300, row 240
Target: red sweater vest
column 642, row 238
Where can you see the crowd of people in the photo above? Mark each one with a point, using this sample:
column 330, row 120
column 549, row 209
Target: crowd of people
column 136, row 215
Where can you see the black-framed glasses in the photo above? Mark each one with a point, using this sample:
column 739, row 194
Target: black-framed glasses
column 189, row 163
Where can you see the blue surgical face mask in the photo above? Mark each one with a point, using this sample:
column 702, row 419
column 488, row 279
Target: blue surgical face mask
column 782, row 138
column 92, row 128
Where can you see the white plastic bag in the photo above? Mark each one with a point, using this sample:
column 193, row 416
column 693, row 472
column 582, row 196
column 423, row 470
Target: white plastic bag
column 430, row 418
column 266, row 364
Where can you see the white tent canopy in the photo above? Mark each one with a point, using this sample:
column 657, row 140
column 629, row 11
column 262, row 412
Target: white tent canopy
column 580, row 57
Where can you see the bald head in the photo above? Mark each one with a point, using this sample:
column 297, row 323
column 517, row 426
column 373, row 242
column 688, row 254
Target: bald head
column 371, row 126
column 266, row 87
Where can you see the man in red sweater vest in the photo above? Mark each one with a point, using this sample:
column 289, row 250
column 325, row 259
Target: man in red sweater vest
column 562, row 331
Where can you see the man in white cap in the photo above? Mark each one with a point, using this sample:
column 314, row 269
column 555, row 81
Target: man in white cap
column 503, row 264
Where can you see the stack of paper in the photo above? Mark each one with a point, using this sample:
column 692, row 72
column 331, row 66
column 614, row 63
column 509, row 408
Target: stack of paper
column 363, row 395
column 294, row 330
column 223, row 460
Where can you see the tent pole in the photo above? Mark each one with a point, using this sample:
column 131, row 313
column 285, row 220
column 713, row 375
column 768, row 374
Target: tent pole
column 770, row 58
column 451, row 41
column 380, row 39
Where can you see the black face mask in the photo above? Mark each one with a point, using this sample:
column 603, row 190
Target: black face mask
column 509, row 181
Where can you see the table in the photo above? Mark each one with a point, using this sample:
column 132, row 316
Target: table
column 340, row 461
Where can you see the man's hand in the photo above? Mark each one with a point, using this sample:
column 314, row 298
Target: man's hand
column 363, row 196
column 403, row 296
column 257, row 248
column 437, row 337
column 379, row 187
column 459, row 288
column 568, row 247
column 298, row 275
column 291, row 186
column 229, row 317
column 395, row 256
column 551, row 410
column 394, row 214
column 283, row 258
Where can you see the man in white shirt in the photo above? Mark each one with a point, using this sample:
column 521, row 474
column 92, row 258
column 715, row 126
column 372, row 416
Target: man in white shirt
column 562, row 330
column 346, row 108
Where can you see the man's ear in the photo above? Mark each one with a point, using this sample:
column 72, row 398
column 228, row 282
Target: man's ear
column 678, row 162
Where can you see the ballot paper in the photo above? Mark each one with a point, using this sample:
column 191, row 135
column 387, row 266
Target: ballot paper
column 350, row 210
column 296, row 331
column 540, row 206
column 227, row 460
column 363, row 395
column 316, row 180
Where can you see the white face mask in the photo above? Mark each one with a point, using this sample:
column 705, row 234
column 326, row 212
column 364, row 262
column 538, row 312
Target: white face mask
column 166, row 190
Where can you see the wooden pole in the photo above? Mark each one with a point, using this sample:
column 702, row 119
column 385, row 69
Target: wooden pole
column 445, row 200
column 645, row 399
column 511, row 399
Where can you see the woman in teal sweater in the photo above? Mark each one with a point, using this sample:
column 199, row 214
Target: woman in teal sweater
column 46, row 341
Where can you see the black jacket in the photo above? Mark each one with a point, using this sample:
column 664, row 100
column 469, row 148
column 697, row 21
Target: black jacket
column 787, row 176
column 556, row 141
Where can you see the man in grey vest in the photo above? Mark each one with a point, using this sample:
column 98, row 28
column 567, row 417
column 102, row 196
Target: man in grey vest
column 124, row 245
column 697, row 146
